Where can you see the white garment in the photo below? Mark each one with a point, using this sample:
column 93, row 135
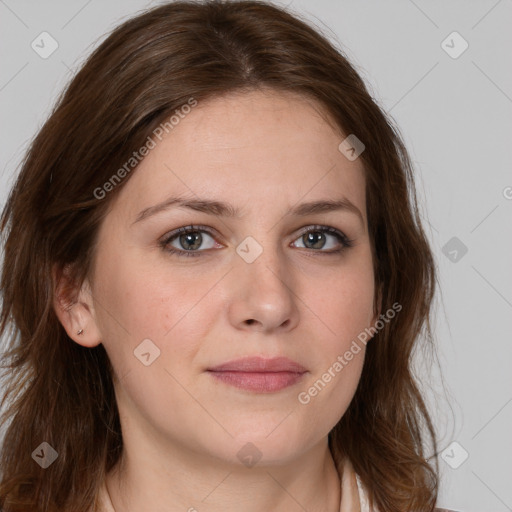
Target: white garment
column 354, row 497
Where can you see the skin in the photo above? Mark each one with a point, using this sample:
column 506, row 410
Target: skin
column 263, row 152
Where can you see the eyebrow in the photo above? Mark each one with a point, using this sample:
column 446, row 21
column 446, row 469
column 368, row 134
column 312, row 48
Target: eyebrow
column 222, row 209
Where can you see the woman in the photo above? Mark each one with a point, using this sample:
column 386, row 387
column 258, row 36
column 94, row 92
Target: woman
column 214, row 278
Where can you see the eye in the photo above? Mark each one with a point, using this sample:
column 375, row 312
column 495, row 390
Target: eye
column 188, row 239
column 317, row 238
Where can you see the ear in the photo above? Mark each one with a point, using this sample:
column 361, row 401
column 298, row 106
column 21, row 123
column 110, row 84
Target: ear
column 74, row 308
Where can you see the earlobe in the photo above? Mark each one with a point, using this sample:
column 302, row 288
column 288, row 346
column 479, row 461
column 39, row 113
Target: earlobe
column 74, row 309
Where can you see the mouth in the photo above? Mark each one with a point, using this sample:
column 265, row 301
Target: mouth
column 258, row 374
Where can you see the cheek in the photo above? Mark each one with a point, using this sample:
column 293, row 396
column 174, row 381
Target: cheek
column 174, row 307
column 343, row 308
column 141, row 302
column 135, row 301
column 342, row 304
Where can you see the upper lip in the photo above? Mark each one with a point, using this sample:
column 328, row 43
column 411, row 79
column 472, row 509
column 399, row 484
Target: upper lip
column 260, row 365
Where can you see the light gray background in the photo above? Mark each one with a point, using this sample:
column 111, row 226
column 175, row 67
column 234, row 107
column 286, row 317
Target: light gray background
column 455, row 115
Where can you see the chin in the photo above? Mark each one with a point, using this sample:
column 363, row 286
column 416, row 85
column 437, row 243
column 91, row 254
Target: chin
column 270, row 444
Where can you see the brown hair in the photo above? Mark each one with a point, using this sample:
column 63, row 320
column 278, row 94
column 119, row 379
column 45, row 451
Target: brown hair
column 61, row 392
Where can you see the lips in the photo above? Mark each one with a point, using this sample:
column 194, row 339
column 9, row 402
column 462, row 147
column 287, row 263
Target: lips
column 259, row 374
column 260, row 364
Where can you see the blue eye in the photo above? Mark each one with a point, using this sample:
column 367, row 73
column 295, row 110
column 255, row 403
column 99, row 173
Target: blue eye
column 191, row 238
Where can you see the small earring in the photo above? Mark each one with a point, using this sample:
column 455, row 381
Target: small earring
column 80, row 332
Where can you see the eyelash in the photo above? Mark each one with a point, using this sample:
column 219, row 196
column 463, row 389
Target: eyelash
column 342, row 238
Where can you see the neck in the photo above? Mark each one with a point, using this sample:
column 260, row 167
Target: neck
column 147, row 480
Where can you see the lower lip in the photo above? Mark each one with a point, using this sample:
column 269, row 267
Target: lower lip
column 263, row 382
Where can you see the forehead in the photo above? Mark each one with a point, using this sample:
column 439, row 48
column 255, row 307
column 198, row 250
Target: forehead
column 260, row 148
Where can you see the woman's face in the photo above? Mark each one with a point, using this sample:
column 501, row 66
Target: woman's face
column 253, row 286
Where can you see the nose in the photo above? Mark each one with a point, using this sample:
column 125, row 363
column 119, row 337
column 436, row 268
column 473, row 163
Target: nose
column 261, row 293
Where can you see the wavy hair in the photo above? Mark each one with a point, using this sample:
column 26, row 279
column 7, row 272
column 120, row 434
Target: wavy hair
column 149, row 66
